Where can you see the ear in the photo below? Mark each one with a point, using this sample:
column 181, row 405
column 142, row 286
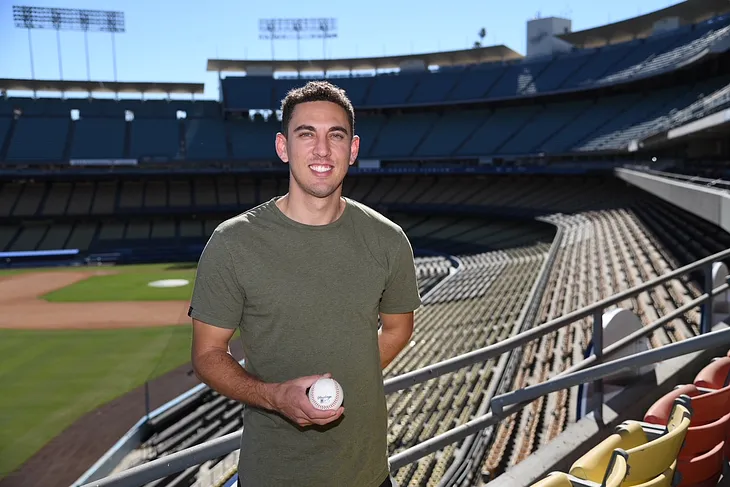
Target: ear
column 281, row 147
column 354, row 149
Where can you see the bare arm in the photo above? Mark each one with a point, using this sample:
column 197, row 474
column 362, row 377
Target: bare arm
column 394, row 335
column 215, row 366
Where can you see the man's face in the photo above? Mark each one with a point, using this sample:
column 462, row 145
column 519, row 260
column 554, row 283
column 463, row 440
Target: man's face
column 318, row 147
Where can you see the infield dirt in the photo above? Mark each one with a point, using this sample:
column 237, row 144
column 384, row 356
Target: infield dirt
column 23, row 307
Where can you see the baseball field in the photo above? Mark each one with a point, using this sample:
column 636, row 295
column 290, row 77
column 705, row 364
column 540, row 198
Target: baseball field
column 73, row 339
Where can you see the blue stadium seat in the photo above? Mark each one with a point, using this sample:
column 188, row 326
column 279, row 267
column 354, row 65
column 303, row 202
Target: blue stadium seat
column 356, row 88
column 518, row 79
column 102, row 108
column 205, row 139
column 368, row 127
column 5, row 123
column 98, row 138
column 26, row 146
column 253, row 139
column 476, row 82
column 401, row 134
column 433, row 87
column 586, row 123
column 6, row 107
column 529, row 138
column 155, row 138
column 598, row 65
column 247, row 92
column 561, row 68
column 449, row 132
column 282, row 87
column 496, row 129
column 388, row 90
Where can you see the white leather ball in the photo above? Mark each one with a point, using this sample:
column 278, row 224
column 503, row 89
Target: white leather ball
column 326, row 394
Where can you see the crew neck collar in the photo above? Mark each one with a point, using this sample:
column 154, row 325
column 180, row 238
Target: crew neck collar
column 335, row 224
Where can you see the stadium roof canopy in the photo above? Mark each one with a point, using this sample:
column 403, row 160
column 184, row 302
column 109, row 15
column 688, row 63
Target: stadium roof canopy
column 100, row 86
column 447, row 58
column 688, row 12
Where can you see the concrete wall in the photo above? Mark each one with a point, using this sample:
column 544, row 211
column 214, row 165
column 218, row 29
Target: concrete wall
column 711, row 204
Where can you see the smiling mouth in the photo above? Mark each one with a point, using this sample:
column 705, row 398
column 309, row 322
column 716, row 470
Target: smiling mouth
column 321, row 168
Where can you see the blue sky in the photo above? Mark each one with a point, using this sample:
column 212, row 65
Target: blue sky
column 171, row 40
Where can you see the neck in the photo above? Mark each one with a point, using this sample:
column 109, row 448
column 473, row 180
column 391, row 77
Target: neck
column 309, row 210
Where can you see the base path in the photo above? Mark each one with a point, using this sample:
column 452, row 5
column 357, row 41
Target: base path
column 24, row 309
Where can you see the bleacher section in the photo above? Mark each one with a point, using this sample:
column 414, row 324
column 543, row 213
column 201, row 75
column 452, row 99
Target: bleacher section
column 607, row 123
column 579, row 69
column 176, row 215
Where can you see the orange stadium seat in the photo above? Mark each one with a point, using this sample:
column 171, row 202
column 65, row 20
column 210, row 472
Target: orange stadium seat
column 701, row 458
column 652, row 450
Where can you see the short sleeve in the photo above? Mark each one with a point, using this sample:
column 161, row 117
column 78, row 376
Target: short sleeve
column 401, row 293
column 217, row 297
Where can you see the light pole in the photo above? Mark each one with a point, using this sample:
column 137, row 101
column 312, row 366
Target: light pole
column 296, row 28
column 72, row 19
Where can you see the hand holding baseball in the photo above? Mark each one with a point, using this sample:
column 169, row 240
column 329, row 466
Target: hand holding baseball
column 291, row 400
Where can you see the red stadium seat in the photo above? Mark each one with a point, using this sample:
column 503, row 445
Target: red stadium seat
column 715, row 374
column 701, row 457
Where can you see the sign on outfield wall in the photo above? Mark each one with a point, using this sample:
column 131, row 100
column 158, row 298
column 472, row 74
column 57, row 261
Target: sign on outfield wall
column 103, row 162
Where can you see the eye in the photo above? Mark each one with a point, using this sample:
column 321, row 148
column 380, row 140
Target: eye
column 338, row 136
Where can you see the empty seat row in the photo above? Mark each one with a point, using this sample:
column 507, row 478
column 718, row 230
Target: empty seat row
column 610, row 122
column 579, row 68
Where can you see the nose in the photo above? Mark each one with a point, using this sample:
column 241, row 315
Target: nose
column 322, row 147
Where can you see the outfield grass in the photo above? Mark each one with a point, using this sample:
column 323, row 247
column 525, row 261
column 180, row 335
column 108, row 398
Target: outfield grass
column 129, row 283
column 49, row 379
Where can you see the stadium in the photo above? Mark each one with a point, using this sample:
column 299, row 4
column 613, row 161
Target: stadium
column 571, row 231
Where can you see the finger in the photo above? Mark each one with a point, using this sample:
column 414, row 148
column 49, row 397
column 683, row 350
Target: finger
column 325, row 416
column 309, row 380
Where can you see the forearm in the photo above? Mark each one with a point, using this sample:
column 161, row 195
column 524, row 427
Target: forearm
column 222, row 373
column 390, row 343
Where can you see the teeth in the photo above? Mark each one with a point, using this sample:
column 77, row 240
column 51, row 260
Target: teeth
column 321, row 168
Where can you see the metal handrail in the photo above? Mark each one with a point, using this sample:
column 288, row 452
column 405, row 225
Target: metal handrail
column 438, row 369
column 490, row 419
column 639, row 359
column 178, row 461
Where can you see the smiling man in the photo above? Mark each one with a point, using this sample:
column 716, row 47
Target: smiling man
column 304, row 277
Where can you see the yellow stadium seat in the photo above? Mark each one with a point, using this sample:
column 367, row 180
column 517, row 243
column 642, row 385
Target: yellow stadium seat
column 555, row 479
column 652, row 451
column 614, row 476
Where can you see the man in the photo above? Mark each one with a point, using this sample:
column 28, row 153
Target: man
column 304, row 278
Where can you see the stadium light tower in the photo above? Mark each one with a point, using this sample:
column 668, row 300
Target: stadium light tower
column 59, row 19
column 298, row 29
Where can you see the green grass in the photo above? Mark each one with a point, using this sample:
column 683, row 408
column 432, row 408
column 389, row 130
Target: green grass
column 49, row 379
column 128, row 284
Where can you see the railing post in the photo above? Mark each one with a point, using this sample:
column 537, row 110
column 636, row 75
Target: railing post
column 598, row 352
column 706, row 324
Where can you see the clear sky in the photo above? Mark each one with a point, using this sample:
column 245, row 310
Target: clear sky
column 171, row 40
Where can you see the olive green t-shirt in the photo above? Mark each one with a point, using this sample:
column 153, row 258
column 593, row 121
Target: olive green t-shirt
column 306, row 301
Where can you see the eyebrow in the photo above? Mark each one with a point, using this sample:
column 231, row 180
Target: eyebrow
column 336, row 128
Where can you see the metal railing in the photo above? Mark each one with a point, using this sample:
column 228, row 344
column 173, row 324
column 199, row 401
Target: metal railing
column 508, row 403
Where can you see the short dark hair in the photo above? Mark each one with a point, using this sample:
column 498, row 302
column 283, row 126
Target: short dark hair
column 315, row 91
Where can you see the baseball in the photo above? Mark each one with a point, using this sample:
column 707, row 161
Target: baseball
column 326, row 394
